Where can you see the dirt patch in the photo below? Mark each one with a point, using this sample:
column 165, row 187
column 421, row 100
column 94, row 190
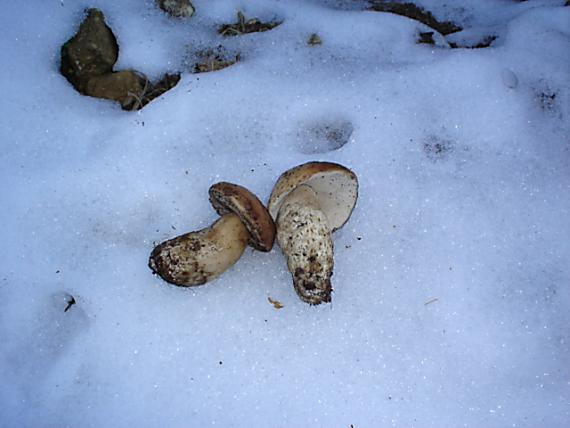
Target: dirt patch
column 243, row 26
column 324, row 135
column 410, row 10
column 546, row 99
column 214, row 60
column 436, row 148
column 87, row 61
column 177, row 8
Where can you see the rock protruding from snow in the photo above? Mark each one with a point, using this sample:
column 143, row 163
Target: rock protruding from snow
column 93, row 51
column 87, row 61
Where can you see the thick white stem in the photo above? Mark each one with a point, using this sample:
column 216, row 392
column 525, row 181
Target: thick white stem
column 198, row 257
column 304, row 236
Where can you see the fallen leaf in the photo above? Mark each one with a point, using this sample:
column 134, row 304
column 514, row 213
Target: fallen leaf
column 276, row 303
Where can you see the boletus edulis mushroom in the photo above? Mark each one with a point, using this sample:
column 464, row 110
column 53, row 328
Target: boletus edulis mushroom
column 198, row 257
column 308, row 203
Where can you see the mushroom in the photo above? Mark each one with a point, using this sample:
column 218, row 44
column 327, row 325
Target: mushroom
column 198, row 257
column 308, row 203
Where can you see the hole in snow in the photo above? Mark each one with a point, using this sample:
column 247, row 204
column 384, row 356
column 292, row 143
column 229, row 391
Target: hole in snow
column 324, row 135
column 545, row 97
column 437, row 148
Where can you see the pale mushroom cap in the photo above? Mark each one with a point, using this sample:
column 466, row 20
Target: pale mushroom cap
column 335, row 185
column 231, row 198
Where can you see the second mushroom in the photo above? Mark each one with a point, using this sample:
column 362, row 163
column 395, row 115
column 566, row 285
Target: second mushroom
column 308, row 203
column 198, row 257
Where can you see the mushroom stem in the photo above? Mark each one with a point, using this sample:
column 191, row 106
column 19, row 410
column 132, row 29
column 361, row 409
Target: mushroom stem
column 197, row 257
column 304, row 236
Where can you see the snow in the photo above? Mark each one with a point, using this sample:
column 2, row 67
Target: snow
column 451, row 281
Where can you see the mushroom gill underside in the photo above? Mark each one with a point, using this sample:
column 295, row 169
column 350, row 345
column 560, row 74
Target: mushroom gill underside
column 305, row 239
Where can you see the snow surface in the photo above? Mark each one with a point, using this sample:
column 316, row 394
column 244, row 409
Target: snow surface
column 452, row 278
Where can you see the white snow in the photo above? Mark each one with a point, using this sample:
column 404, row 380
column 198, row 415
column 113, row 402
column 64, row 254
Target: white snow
column 452, row 278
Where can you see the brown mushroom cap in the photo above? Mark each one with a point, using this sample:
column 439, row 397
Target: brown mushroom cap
column 229, row 198
column 335, row 185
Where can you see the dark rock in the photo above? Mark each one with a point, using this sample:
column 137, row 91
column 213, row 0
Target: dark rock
column 130, row 88
column 91, row 52
column 126, row 87
column 87, row 61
